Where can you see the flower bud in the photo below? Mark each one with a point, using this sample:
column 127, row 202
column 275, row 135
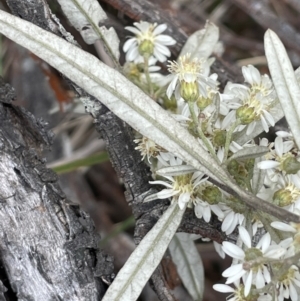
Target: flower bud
column 282, row 197
column 246, row 114
column 146, row 48
column 290, row 165
column 189, row 91
column 203, row 102
column 211, row 194
column 219, row 138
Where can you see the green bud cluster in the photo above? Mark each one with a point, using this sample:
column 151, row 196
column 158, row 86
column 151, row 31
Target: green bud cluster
column 246, row 114
column 211, row 194
column 290, row 165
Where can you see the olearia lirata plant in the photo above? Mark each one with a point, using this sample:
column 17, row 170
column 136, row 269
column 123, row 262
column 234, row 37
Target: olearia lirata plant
column 269, row 170
column 193, row 131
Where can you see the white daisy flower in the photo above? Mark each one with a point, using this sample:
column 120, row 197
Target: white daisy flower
column 237, row 293
column 288, row 285
column 148, row 148
column 292, row 246
column 148, row 41
column 251, row 104
column 207, row 201
column 248, row 266
column 261, row 84
column 280, row 159
column 287, row 193
column 191, row 76
column 181, row 188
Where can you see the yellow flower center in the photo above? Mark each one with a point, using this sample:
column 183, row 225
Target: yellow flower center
column 286, row 196
column 288, row 277
column 148, row 147
column 147, row 35
column 183, row 183
column 187, row 68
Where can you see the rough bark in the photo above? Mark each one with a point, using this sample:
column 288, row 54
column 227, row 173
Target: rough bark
column 49, row 248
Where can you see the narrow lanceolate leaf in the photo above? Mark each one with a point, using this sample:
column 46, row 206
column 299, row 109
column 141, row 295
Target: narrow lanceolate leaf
column 285, row 82
column 85, row 16
column 115, row 91
column 189, row 264
column 143, row 261
column 254, row 151
column 202, row 43
column 175, row 170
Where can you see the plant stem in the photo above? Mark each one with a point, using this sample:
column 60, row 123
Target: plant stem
column 200, row 132
column 146, row 70
column 229, row 136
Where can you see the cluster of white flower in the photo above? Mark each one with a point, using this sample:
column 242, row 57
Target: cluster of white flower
column 192, row 96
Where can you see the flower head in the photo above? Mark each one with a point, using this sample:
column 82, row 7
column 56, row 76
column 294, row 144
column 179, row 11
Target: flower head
column 148, row 148
column 208, row 197
column 287, row 192
column 287, row 284
column 293, row 246
column 238, row 293
column 182, row 187
column 281, row 158
column 190, row 78
column 249, row 261
column 148, row 41
column 251, row 103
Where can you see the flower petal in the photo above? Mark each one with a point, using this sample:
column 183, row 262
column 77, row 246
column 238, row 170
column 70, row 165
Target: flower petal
column 233, row 250
column 223, row 288
column 248, row 284
column 233, row 270
column 245, row 237
column 283, row 227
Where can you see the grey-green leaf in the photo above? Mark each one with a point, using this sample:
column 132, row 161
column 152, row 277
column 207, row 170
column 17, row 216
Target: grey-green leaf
column 254, row 151
column 189, row 264
column 176, row 170
column 143, row 261
column 285, row 82
column 86, row 16
column 202, row 43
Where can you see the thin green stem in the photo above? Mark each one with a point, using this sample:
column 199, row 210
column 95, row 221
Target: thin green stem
column 229, row 137
column 146, row 70
column 200, row 132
